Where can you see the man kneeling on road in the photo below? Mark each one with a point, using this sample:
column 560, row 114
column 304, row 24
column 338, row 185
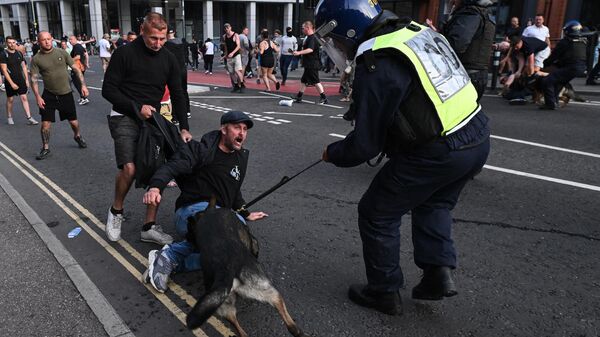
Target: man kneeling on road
column 214, row 166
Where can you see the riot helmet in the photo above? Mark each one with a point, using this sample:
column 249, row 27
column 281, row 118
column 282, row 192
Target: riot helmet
column 573, row 29
column 342, row 25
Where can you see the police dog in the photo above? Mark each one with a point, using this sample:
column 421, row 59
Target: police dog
column 228, row 254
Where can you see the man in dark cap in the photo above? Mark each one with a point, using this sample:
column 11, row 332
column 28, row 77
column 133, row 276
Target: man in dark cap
column 216, row 165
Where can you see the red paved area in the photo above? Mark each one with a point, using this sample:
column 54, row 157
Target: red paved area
column 220, row 78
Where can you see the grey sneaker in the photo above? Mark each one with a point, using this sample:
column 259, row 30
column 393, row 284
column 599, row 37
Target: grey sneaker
column 151, row 258
column 32, row 121
column 113, row 226
column 156, row 235
column 160, row 269
column 10, row 121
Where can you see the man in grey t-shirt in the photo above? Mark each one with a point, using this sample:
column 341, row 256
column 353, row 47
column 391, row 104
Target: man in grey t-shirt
column 245, row 47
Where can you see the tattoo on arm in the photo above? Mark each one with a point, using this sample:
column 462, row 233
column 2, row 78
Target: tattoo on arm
column 79, row 75
column 34, row 84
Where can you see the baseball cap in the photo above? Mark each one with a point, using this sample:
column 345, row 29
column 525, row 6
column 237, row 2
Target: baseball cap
column 234, row 117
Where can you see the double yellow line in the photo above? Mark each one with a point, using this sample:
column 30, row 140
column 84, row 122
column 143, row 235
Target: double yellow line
column 39, row 181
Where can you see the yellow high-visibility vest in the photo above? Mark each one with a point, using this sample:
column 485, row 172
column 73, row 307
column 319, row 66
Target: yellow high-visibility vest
column 441, row 74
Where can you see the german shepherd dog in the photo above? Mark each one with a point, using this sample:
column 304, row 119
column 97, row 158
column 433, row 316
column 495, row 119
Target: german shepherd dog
column 228, row 254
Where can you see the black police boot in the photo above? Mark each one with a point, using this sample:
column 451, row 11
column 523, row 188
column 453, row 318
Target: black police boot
column 388, row 303
column 436, row 284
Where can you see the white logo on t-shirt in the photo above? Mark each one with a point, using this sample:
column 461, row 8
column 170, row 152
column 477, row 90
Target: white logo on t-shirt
column 235, row 173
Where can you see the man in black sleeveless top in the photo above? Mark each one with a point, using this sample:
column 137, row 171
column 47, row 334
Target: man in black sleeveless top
column 233, row 58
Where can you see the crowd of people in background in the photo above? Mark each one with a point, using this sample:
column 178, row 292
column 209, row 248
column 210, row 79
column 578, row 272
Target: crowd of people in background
column 271, row 56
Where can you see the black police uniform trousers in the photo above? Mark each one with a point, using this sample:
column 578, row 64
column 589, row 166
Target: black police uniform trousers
column 426, row 182
column 558, row 78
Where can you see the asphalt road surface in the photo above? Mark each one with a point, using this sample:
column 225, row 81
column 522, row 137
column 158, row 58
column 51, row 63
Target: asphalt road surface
column 526, row 228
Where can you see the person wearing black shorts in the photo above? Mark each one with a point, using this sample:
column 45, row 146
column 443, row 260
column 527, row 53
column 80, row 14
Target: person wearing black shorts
column 51, row 65
column 14, row 70
column 135, row 93
column 266, row 50
column 310, row 61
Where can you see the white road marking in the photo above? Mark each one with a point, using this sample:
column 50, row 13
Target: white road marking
column 292, row 114
column 526, row 174
column 546, row 146
column 540, row 177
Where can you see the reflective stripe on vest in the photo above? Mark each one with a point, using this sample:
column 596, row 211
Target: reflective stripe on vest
column 441, row 74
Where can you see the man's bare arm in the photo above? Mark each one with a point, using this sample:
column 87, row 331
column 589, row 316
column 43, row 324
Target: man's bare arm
column 25, row 72
column 79, row 76
column 35, row 77
column 6, row 74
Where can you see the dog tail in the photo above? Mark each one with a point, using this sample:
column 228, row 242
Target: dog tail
column 207, row 306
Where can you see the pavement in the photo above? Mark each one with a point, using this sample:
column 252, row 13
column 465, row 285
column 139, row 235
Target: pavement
column 526, row 229
column 45, row 301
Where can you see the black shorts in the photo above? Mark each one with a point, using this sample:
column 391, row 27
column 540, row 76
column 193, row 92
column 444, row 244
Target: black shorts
column 125, row 132
column 310, row 76
column 10, row 92
column 65, row 104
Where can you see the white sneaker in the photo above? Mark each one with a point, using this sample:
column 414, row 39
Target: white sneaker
column 206, row 72
column 156, row 235
column 2, row 87
column 113, row 226
column 84, row 101
column 10, row 121
column 32, row 121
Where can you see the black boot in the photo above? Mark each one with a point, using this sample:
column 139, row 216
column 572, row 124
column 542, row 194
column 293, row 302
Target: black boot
column 436, row 284
column 388, row 303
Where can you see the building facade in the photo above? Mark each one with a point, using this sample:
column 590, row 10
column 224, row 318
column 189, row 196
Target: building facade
column 205, row 18
column 555, row 12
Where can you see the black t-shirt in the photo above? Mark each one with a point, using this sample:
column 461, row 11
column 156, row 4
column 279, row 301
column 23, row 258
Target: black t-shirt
column 532, row 45
column 13, row 63
column 221, row 178
column 311, row 60
column 78, row 50
column 35, row 48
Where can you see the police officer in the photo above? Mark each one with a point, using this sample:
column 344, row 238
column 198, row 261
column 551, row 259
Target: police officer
column 431, row 129
column 569, row 59
column 470, row 31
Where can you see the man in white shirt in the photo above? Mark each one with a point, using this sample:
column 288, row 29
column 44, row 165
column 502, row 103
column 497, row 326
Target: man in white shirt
column 538, row 30
column 105, row 51
column 208, row 56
